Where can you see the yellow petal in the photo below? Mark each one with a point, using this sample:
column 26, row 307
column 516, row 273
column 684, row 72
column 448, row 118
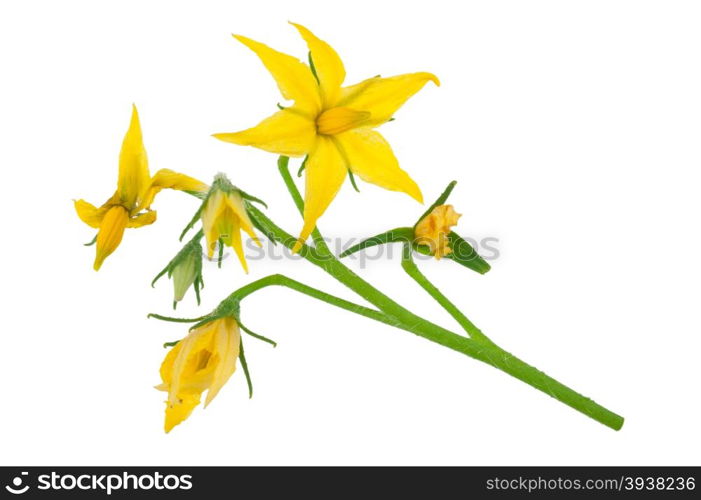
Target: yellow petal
column 294, row 78
column 166, row 370
column 143, row 219
column 227, row 344
column 178, row 379
column 337, row 120
column 168, row 179
column 216, row 204
column 328, row 66
column 133, row 164
column 89, row 213
column 325, row 173
column 370, row 157
column 234, row 241
column 177, row 412
column 288, row 132
column 235, row 202
column 382, row 97
column 110, row 234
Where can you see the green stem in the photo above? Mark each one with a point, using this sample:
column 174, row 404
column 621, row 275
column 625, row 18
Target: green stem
column 390, row 312
column 283, row 167
column 400, row 317
column 499, row 358
column 281, row 280
column 335, row 268
column 412, row 270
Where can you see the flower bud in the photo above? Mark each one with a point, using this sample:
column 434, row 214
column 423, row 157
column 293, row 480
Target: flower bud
column 187, row 272
column 185, row 269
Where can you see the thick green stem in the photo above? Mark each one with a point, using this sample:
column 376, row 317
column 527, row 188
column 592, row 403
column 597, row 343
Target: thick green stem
column 335, row 268
column 281, row 280
column 412, row 270
column 507, row 362
column 478, row 346
column 400, row 317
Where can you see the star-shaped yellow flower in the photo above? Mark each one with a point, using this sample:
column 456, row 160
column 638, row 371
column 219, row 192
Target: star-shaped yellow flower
column 136, row 189
column 333, row 125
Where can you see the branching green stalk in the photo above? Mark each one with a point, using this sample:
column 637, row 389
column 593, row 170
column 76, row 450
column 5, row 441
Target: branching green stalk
column 412, row 270
column 284, row 281
column 478, row 346
column 402, row 318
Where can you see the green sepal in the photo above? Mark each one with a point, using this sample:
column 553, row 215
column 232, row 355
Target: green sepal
column 195, row 217
column 352, row 180
column 252, row 198
column 260, row 224
column 439, row 201
column 170, row 344
column 302, row 166
column 244, row 365
column 226, row 308
column 174, row 320
column 91, row 242
column 462, row 252
column 196, row 194
column 312, row 67
column 191, row 246
column 220, row 257
column 400, row 234
column 256, row 335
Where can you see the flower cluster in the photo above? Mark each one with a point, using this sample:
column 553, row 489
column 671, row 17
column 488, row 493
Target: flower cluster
column 333, row 128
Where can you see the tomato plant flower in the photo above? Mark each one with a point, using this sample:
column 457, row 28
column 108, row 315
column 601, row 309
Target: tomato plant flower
column 332, row 125
column 136, row 189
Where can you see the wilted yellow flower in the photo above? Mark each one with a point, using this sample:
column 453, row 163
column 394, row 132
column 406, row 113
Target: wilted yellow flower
column 202, row 361
column 136, row 190
column 433, row 230
column 224, row 216
column 331, row 124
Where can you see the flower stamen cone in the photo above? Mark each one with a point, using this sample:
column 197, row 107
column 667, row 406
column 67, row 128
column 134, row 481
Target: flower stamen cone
column 202, row 361
column 330, row 124
column 433, row 230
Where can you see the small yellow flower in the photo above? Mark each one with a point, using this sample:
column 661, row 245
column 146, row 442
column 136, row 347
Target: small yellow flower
column 136, row 189
column 224, row 216
column 433, row 230
column 331, row 124
column 204, row 360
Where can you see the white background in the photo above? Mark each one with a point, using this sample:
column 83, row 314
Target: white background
column 573, row 128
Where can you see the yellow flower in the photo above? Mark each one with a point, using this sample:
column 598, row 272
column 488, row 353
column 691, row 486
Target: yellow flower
column 204, row 360
column 136, row 190
column 331, row 124
column 433, row 230
column 224, row 216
